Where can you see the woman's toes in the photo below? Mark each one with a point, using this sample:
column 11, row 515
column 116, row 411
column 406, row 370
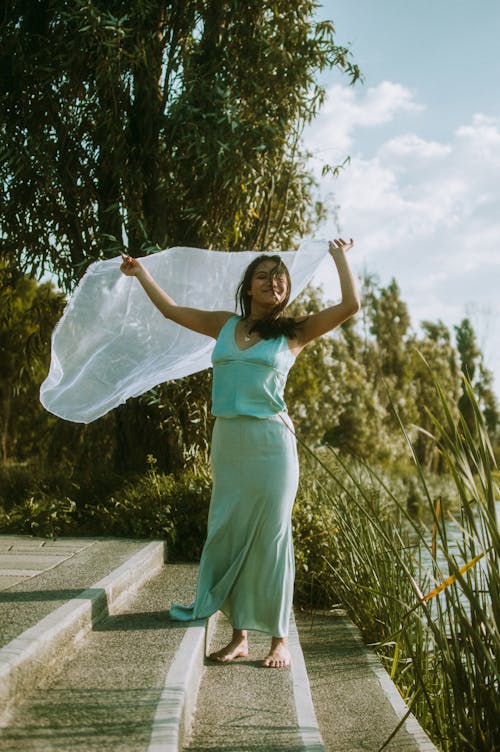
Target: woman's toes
column 276, row 661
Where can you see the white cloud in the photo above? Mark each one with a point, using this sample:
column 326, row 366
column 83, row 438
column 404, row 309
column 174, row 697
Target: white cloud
column 423, row 211
column 412, row 146
column 346, row 109
column 481, row 139
column 389, row 213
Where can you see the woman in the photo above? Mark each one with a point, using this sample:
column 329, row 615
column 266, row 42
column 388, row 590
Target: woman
column 247, row 567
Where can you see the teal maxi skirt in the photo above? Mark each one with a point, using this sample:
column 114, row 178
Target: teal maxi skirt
column 247, row 565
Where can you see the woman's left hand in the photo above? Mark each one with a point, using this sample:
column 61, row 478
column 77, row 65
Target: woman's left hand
column 339, row 244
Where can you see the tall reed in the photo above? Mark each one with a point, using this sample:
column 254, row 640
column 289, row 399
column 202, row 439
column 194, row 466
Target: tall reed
column 428, row 600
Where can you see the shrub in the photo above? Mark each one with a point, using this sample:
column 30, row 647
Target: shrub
column 153, row 505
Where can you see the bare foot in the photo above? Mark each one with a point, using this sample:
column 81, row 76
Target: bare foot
column 279, row 655
column 237, row 648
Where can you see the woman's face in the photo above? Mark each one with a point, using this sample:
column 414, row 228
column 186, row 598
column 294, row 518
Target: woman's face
column 269, row 286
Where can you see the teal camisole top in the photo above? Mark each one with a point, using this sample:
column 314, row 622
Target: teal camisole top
column 252, row 381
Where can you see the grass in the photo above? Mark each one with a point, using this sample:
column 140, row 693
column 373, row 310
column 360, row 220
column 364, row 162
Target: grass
column 425, row 596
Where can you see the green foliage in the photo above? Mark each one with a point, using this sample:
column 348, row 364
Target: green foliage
column 363, row 427
column 149, row 124
column 313, row 395
column 313, row 526
column 162, row 123
column 41, row 515
column 336, row 393
column 182, row 413
column 386, row 358
column 389, row 323
column 28, row 313
column 472, row 365
column 421, row 397
column 326, row 522
column 153, row 505
column 152, row 124
column 427, row 596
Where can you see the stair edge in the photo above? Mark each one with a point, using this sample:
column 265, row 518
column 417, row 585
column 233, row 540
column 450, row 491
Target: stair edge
column 28, row 658
column 175, row 709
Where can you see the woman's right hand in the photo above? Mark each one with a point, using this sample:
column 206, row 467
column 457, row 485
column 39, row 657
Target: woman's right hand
column 130, row 266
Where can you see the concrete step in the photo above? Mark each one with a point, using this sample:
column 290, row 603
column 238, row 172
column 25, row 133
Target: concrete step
column 38, row 575
column 126, row 684
column 357, row 705
column 243, row 706
column 31, row 656
column 108, row 671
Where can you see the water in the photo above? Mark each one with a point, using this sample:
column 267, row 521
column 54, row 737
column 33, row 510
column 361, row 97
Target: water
column 462, row 549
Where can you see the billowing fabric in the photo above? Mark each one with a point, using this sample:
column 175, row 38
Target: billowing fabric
column 250, row 381
column 112, row 343
column 247, row 564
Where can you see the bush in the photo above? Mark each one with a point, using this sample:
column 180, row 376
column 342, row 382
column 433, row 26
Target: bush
column 313, row 524
column 16, row 483
column 153, row 505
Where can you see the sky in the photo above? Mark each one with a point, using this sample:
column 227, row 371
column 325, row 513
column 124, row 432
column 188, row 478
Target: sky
column 421, row 194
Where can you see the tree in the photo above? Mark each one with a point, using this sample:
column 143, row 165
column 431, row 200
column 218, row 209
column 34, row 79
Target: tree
column 390, row 322
column 313, row 395
column 361, row 425
column 488, row 400
column 468, row 349
column 149, row 124
column 434, row 351
column 481, row 379
column 152, row 124
column 28, row 315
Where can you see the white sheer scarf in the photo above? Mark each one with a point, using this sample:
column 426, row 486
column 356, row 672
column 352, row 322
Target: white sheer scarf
column 112, row 343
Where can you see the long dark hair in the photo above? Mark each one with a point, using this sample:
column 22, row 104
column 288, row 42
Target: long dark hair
column 275, row 324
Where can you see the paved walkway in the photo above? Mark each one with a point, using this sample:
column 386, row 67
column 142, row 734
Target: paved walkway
column 22, row 557
column 37, row 575
column 89, row 660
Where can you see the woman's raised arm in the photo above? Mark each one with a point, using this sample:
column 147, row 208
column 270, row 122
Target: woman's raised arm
column 204, row 322
column 324, row 321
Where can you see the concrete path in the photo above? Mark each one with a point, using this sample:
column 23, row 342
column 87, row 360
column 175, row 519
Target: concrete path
column 90, row 661
column 38, row 575
column 242, row 706
column 357, row 705
column 22, row 558
column 106, row 696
